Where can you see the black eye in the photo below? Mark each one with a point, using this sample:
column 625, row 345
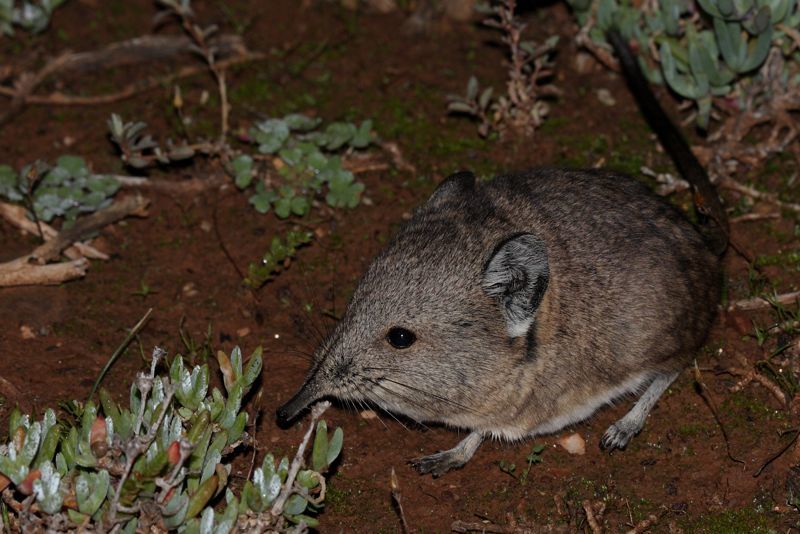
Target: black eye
column 400, row 338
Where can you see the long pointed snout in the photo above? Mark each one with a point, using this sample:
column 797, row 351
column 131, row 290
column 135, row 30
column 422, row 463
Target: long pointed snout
column 301, row 400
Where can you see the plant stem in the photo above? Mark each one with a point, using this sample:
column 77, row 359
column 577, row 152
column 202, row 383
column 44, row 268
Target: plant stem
column 316, row 412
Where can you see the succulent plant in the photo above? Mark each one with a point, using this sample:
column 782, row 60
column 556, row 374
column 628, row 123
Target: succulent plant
column 699, row 57
column 66, row 189
column 164, row 453
column 30, row 16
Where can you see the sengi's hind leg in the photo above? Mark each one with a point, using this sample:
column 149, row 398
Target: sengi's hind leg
column 620, row 433
column 443, row 461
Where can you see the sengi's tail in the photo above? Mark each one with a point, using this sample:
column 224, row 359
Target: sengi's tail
column 713, row 219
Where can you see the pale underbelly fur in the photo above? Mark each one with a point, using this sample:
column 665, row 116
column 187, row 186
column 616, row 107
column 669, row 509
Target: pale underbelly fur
column 634, row 384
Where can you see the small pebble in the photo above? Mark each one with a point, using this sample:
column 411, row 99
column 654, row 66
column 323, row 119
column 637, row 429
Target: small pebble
column 243, row 332
column 368, row 414
column 205, row 226
column 585, row 63
column 190, row 290
column 573, row 444
column 605, row 97
column 27, row 332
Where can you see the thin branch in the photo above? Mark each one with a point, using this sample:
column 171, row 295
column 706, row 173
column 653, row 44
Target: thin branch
column 398, row 501
column 760, row 303
column 17, row 216
column 702, row 389
column 139, row 444
column 135, row 205
column 644, row 525
column 753, row 375
column 590, row 518
column 21, row 273
column 191, row 186
column 748, row 217
column 316, row 412
column 61, row 99
column 772, row 198
column 779, row 453
column 120, row 349
column 27, row 84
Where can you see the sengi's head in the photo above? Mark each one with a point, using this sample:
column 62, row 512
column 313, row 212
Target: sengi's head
column 432, row 323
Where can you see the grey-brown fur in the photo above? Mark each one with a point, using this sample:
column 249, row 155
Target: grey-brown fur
column 628, row 294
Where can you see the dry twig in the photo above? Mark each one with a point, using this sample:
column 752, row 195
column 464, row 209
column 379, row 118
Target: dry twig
column 760, row 303
column 753, row 375
column 146, row 48
column 17, row 216
column 397, row 499
column 644, row 525
column 591, row 519
column 748, row 217
column 316, row 413
column 31, row 269
column 139, row 444
column 50, row 250
column 702, row 389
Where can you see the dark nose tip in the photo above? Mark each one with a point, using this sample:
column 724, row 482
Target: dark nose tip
column 287, row 413
column 283, row 417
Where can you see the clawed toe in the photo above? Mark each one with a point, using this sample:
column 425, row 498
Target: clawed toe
column 436, row 464
column 616, row 437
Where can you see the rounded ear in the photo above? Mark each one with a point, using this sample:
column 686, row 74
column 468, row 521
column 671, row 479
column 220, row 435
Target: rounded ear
column 452, row 187
column 516, row 276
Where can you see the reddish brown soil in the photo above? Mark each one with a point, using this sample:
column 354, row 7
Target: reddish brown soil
column 677, row 468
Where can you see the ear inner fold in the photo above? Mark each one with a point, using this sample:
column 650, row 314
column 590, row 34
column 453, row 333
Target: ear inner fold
column 517, row 276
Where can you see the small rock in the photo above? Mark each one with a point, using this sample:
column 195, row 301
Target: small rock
column 205, row 226
column 368, row 414
column 573, row 444
column 27, row 332
column 190, row 290
column 243, row 332
column 605, row 97
column 585, row 63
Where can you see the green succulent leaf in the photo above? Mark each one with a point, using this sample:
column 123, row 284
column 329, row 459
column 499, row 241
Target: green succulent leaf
column 47, row 489
column 91, row 490
column 363, row 136
column 242, row 167
column 270, row 135
column 301, row 123
column 335, row 446
column 296, row 504
column 319, row 454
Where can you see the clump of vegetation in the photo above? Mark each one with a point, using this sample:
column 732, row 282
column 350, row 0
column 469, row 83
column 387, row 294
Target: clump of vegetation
column 277, row 258
column 33, row 17
column 138, row 148
column 66, row 189
column 296, row 161
column 523, row 107
column 713, row 52
column 305, row 160
column 534, row 457
column 162, row 462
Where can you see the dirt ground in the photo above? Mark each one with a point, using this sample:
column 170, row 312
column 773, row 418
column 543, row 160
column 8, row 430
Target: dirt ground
column 336, row 63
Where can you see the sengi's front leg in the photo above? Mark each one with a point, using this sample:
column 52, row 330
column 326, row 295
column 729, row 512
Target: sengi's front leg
column 443, row 461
